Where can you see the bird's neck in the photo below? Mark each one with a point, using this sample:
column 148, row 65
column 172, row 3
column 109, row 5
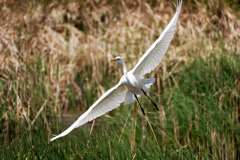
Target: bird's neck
column 124, row 68
column 125, row 71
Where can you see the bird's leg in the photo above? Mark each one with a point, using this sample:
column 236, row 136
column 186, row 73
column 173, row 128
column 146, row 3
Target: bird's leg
column 151, row 100
column 139, row 105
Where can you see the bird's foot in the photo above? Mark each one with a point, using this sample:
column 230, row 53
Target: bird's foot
column 155, row 105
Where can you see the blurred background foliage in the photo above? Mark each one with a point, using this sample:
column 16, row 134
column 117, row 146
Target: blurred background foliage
column 54, row 63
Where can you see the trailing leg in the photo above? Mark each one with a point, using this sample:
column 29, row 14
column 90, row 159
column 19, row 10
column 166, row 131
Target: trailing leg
column 139, row 105
column 151, row 100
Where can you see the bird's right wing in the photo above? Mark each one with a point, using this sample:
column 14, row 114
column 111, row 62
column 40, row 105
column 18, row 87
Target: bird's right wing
column 107, row 102
column 153, row 56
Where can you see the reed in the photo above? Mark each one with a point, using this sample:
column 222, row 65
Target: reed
column 54, row 62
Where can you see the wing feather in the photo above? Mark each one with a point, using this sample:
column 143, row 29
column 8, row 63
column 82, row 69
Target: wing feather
column 107, row 102
column 153, row 56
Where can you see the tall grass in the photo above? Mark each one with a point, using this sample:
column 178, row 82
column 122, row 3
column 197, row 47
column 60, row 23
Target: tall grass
column 54, row 63
column 201, row 121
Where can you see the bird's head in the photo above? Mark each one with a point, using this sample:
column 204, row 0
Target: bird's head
column 118, row 60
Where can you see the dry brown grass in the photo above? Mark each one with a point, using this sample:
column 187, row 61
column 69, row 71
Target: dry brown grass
column 45, row 45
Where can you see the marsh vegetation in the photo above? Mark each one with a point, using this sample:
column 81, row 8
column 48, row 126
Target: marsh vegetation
column 54, row 63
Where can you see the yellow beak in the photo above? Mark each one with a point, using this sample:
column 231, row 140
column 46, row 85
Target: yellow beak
column 114, row 60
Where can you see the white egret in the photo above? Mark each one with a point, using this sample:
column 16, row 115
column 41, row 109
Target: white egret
column 132, row 84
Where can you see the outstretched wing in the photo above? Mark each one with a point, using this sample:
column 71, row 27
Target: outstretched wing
column 153, row 56
column 107, row 102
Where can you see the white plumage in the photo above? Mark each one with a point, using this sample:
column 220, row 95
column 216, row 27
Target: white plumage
column 131, row 84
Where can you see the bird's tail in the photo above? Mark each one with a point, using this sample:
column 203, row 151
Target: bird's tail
column 146, row 83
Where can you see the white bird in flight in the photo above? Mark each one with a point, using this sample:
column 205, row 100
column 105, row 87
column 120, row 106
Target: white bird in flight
column 132, row 84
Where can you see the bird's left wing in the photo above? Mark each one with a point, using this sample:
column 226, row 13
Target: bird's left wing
column 153, row 56
column 107, row 102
